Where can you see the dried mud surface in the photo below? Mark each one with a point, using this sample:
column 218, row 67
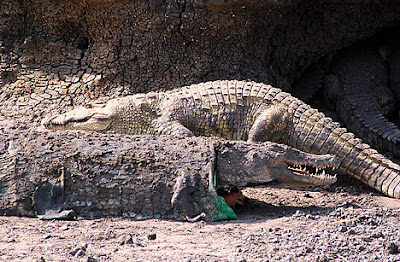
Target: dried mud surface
column 345, row 222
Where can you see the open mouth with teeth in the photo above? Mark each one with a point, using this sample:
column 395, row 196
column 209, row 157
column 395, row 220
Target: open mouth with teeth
column 311, row 174
column 310, row 170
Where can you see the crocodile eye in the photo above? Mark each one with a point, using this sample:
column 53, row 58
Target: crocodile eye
column 100, row 117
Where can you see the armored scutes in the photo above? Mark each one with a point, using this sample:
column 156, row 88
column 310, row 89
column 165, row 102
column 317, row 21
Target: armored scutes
column 237, row 110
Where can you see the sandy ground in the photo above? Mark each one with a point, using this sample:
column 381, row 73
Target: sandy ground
column 345, row 222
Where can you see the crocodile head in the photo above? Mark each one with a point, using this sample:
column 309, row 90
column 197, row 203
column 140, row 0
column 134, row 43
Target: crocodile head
column 273, row 162
column 126, row 115
column 96, row 116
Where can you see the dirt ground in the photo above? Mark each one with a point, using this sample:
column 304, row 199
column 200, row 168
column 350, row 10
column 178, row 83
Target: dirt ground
column 344, row 222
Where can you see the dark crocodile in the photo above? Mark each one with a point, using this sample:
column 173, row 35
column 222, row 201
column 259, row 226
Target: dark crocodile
column 355, row 84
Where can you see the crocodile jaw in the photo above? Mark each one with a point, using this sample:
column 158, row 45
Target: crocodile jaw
column 81, row 118
column 299, row 174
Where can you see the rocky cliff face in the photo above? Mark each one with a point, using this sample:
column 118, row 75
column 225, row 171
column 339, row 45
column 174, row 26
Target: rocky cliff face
column 97, row 47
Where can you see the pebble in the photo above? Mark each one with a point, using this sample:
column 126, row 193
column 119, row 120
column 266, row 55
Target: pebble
column 343, row 229
column 377, row 235
column 352, row 232
column 83, row 246
column 47, row 236
column 73, row 252
column 367, row 239
column 274, row 240
column 298, row 213
column 125, row 239
column 351, row 223
column 80, row 253
column 64, row 227
column 151, row 236
column 308, row 195
column 91, row 259
column 312, row 217
column 393, row 249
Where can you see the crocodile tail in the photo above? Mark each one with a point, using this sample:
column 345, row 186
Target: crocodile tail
column 374, row 127
column 313, row 132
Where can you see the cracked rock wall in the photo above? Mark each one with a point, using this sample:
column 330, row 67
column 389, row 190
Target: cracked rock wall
column 56, row 54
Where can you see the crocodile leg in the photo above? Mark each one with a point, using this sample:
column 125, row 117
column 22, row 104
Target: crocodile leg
column 270, row 125
column 166, row 126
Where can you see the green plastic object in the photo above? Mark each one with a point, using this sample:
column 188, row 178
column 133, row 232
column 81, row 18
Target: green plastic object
column 222, row 211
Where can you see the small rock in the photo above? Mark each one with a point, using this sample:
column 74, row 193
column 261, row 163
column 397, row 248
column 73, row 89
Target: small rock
column 352, row 232
column 343, row 229
column 274, row 240
column 308, row 250
column 80, row 253
column 309, row 216
column 393, row 248
column 298, row 214
column 125, row 239
column 377, row 235
column 83, row 246
column 73, row 252
column 367, row 239
column 64, row 227
column 47, row 236
column 307, row 195
column 351, row 223
column 91, row 259
column 152, row 236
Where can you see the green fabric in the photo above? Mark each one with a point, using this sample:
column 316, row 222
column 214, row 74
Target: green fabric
column 222, row 211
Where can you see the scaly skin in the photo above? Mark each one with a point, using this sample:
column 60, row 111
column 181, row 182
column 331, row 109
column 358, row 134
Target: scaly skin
column 240, row 111
column 355, row 84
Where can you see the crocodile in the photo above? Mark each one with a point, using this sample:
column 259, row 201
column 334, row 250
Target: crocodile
column 55, row 176
column 355, row 84
column 236, row 110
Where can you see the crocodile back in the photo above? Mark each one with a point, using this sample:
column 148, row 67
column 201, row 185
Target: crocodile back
column 225, row 109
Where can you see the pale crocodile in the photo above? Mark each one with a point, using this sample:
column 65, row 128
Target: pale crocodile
column 237, row 110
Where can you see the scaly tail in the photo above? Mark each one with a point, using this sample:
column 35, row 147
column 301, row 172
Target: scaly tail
column 311, row 131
